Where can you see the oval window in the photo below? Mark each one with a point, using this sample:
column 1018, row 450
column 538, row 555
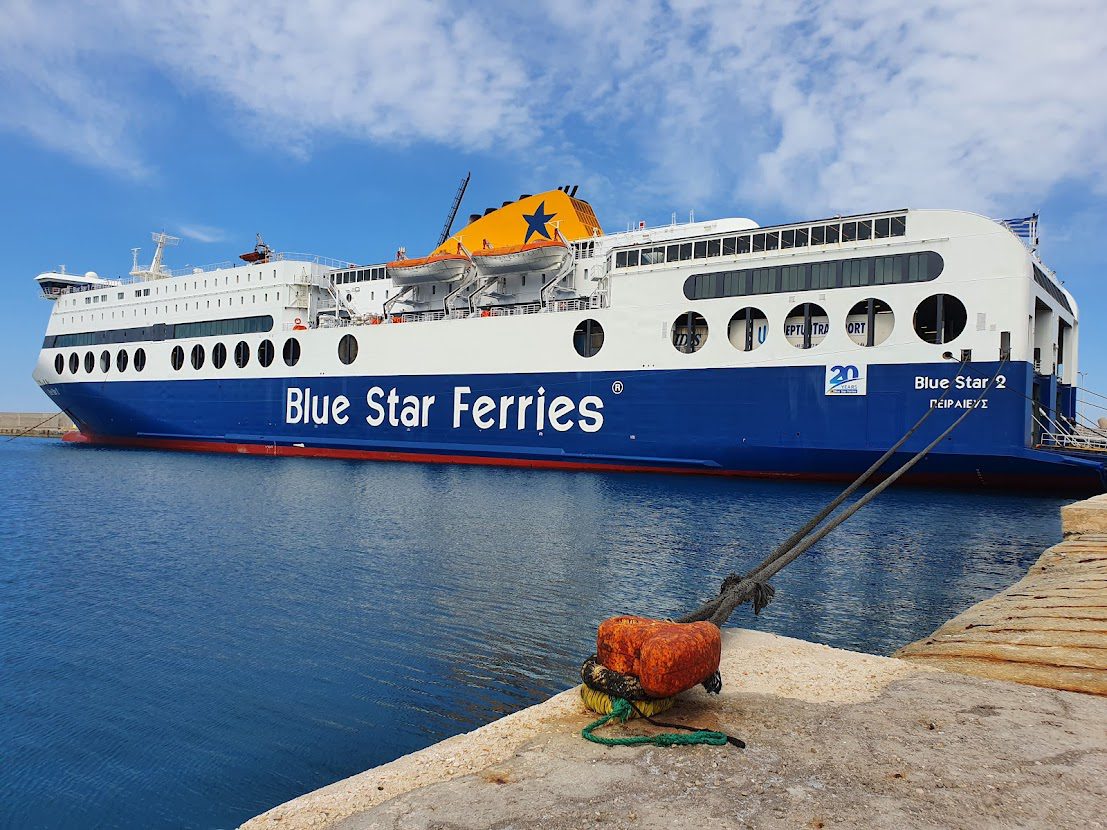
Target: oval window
column 940, row 318
column 347, row 349
column 291, row 351
column 177, row 357
column 59, row 364
column 870, row 322
column 588, row 338
column 749, row 328
column 105, row 360
column 265, row 352
column 807, row 325
column 689, row 332
column 197, row 356
column 218, row 355
column 90, row 362
column 140, row 359
column 121, row 360
column 241, row 354
column 74, row 363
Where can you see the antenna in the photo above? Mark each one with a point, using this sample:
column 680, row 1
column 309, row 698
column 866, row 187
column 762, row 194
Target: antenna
column 453, row 210
column 156, row 270
column 134, row 260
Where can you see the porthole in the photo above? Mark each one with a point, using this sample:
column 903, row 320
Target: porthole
column 940, row 318
column 241, row 354
column 689, row 332
column 807, row 325
column 347, row 349
column 588, row 338
column 197, row 356
column 74, row 363
column 90, row 362
column 749, row 328
column 105, row 360
column 140, row 359
column 177, row 357
column 870, row 322
column 218, row 355
column 265, row 352
column 121, row 360
column 59, row 364
column 291, row 351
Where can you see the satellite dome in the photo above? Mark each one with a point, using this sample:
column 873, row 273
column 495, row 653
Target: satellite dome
column 92, row 275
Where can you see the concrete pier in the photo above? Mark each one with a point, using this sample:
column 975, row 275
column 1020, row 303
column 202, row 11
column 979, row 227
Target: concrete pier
column 835, row 738
column 35, row 424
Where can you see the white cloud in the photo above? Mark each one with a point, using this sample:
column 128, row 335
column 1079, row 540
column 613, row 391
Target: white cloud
column 202, row 233
column 812, row 107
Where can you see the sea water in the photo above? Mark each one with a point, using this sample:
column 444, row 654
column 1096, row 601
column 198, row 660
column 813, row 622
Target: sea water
column 187, row 640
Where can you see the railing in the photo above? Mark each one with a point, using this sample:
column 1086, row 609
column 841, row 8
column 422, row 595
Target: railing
column 1074, row 441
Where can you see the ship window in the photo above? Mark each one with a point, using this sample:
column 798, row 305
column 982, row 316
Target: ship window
column 883, row 228
column 865, row 229
column 831, row 234
column 59, row 364
column 748, row 329
column 621, row 259
column 177, row 357
column 140, row 359
column 788, row 239
column 699, row 250
column 818, row 235
column 743, row 244
column 588, row 338
column 758, row 242
column 90, row 361
column 801, row 237
column 713, row 247
column 806, row 326
column 265, row 352
column 793, row 278
column 121, row 360
column 241, row 354
column 689, row 332
column 849, row 231
column 730, row 245
column 772, row 240
column 197, row 356
column 652, row 256
column 899, row 225
column 870, row 322
column 74, row 363
column 632, row 258
column 672, row 253
column 347, row 349
column 888, row 269
column 105, row 361
column 218, row 355
column 686, row 251
column 855, row 272
column 940, row 318
column 291, row 351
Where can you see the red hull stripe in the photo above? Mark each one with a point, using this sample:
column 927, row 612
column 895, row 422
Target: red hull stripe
column 941, row 479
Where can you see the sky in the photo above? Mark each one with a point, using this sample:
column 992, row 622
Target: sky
column 343, row 128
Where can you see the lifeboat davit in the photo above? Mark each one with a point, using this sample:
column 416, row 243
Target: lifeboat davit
column 542, row 255
column 427, row 269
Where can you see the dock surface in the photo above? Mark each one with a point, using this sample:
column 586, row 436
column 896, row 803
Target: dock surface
column 834, row 738
column 1049, row 629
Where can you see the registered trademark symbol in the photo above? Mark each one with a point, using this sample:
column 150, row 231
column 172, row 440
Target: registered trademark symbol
column 617, row 387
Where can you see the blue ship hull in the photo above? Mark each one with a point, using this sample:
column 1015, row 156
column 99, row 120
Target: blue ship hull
column 777, row 422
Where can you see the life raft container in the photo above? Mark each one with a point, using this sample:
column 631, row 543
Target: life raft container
column 666, row 657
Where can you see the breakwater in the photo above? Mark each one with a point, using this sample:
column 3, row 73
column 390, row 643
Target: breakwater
column 35, row 424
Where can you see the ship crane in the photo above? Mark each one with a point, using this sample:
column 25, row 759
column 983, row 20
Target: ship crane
column 453, row 210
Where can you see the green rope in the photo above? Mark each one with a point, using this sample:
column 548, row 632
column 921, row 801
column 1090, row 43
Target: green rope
column 622, row 710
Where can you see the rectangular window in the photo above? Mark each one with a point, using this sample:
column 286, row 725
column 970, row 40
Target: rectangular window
column 793, row 278
column 855, row 272
column 699, row 250
column 831, row 234
column 899, row 225
column 865, row 229
column 788, row 239
column 632, row 258
column 686, row 251
column 743, row 244
column 714, row 246
column 801, row 237
column 758, row 242
column 849, row 231
column 730, row 245
column 621, row 259
column 647, row 256
column 772, row 240
column 824, row 274
column 818, row 235
column 672, row 253
column 883, row 228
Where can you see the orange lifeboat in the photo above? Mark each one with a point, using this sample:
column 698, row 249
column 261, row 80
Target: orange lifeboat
column 427, row 269
column 541, row 255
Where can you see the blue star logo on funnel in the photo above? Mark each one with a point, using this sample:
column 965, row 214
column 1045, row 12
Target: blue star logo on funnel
column 536, row 223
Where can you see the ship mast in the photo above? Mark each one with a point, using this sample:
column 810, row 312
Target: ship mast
column 157, row 269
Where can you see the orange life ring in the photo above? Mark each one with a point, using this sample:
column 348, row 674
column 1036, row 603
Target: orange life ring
column 298, row 325
column 484, row 312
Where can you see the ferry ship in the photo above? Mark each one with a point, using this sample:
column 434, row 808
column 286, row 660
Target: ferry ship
column 532, row 338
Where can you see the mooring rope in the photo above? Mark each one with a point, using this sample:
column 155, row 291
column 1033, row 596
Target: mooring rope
column 621, row 710
column 31, row 429
column 737, row 590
